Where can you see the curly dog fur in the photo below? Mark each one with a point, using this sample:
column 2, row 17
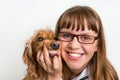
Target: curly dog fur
column 33, row 45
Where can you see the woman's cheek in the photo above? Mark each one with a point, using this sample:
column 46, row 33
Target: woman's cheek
column 90, row 49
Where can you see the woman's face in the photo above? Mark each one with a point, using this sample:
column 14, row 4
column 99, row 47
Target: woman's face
column 77, row 55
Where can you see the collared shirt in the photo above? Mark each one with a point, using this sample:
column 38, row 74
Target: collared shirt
column 82, row 76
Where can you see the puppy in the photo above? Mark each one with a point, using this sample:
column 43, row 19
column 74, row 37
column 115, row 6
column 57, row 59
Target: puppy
column 35, row 44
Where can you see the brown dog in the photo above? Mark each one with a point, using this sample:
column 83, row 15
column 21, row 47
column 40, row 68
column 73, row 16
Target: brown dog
column 33, row 45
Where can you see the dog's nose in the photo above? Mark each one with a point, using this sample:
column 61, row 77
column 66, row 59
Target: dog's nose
column 55, row 45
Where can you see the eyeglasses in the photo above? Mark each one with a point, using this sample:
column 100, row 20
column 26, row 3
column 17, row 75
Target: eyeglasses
column 85, row 39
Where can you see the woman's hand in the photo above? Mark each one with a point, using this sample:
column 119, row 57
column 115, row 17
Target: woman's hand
column 54, row 67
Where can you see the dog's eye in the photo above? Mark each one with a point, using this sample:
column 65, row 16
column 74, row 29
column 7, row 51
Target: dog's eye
column 40, row 39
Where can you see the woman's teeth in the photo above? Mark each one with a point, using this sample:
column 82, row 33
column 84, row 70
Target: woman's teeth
column 75, row 55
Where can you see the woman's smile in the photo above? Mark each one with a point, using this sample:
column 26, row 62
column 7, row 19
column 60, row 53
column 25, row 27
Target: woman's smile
column 74, row 55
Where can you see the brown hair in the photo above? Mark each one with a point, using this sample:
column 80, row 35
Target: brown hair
column 99, row 68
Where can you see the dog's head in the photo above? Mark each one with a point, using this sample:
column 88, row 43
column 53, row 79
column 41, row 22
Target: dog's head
column 45, row 37
column 36, row 42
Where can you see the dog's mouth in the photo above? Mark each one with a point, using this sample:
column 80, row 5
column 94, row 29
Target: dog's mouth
column 53, row 53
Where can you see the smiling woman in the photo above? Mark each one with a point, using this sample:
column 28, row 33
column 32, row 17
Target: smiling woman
column 83, row 50
column 81, row 33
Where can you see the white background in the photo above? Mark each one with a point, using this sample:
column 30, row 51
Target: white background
column 19, row 19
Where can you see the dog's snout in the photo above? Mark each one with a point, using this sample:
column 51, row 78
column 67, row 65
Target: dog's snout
column 55, row 45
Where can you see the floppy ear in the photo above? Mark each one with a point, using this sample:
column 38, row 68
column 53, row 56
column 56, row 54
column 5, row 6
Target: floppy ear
column 27, row 55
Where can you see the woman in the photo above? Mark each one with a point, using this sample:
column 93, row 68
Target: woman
column 80, row 31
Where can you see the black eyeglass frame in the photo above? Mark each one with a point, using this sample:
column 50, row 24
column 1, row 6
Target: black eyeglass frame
column 73, row 35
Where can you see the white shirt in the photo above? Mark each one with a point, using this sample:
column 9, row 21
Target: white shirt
column 80, row 76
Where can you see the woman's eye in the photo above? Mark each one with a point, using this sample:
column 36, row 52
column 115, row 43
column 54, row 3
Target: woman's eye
column 86, row 38
column 66, row 35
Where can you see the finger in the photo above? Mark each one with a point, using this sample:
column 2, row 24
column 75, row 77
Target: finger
column 55, row 62
column 44, row 66
column 41, row 57
column 59, row 58
column 42, row 62
column 46, row 56
column 38, row 56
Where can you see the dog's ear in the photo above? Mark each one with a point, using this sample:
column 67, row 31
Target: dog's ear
column 27, row 55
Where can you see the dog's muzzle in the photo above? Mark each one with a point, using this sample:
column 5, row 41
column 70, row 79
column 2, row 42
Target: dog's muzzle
column 55, row 45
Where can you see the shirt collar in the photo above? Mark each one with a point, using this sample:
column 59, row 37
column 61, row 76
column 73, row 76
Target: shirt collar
column 80, row 76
